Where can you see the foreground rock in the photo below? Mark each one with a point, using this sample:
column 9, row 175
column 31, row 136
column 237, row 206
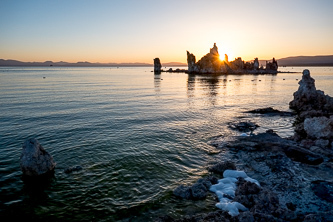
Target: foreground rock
column 315, row 111
column 35, row 160
column 296, row 183
column 307, row 98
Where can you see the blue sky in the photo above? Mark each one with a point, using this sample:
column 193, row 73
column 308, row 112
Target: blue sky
column 138, row 31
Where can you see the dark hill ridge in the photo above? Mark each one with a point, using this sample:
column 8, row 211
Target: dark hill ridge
column 321, row 60
column 4, row 62
column 67, row 64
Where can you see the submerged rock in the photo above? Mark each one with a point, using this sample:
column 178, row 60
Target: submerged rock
column 270, row 111
column 243, row 126
column 35, row 161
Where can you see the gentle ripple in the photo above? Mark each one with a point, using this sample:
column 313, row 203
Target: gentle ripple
column 137, row 135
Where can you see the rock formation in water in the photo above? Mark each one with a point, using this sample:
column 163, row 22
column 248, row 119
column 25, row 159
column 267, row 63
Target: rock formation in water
column 191, row 63
column 315, row 111
column 272, row 66
column 211, row 63
column 35, row 161
column 157, row 65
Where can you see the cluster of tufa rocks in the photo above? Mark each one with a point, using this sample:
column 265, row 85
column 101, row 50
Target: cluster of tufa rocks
column 211, row 63
column 314, row 123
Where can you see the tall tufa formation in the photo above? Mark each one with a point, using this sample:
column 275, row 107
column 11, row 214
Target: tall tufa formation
column 157, row 65
column 315, row 112
column 191, row 63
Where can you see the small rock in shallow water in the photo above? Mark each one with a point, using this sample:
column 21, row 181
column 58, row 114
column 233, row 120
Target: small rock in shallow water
column 243, row 126
column 35, row 160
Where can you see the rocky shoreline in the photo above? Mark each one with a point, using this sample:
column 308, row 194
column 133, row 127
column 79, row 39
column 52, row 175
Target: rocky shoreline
column 295, row 174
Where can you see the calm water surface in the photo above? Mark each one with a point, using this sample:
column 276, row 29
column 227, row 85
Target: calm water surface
column 137, row 135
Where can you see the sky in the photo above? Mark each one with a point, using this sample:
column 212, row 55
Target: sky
column 140, row 30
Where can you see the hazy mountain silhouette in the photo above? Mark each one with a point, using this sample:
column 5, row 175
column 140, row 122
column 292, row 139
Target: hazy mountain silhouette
column 326, row 60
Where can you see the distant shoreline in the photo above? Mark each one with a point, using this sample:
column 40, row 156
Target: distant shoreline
column 295, row 61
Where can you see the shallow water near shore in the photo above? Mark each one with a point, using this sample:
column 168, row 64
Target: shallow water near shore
column 136, row 135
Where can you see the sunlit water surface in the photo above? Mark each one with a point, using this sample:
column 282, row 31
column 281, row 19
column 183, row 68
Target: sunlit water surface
column 137, row 135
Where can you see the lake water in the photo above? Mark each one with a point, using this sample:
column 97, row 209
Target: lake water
column 136, row 135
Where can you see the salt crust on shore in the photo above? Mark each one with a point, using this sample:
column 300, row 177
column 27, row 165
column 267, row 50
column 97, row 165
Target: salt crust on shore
column 225, row 191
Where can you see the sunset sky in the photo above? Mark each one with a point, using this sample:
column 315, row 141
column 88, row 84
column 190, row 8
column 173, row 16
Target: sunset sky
column 138, row 31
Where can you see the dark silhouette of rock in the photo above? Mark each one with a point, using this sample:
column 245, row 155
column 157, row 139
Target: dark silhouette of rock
column 157, row 65
column 270, row 111
column 272, row 66
column 256, row 64
column 35, row 161
column 243, row 126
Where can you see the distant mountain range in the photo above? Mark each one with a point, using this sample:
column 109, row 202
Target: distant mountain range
column 326, row 60
column 82, row 64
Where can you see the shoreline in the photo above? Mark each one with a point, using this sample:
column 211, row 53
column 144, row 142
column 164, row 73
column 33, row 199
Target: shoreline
column 295, row 174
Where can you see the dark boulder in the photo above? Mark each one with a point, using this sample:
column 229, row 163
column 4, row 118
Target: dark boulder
column 35, row 160
column 198, row 191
